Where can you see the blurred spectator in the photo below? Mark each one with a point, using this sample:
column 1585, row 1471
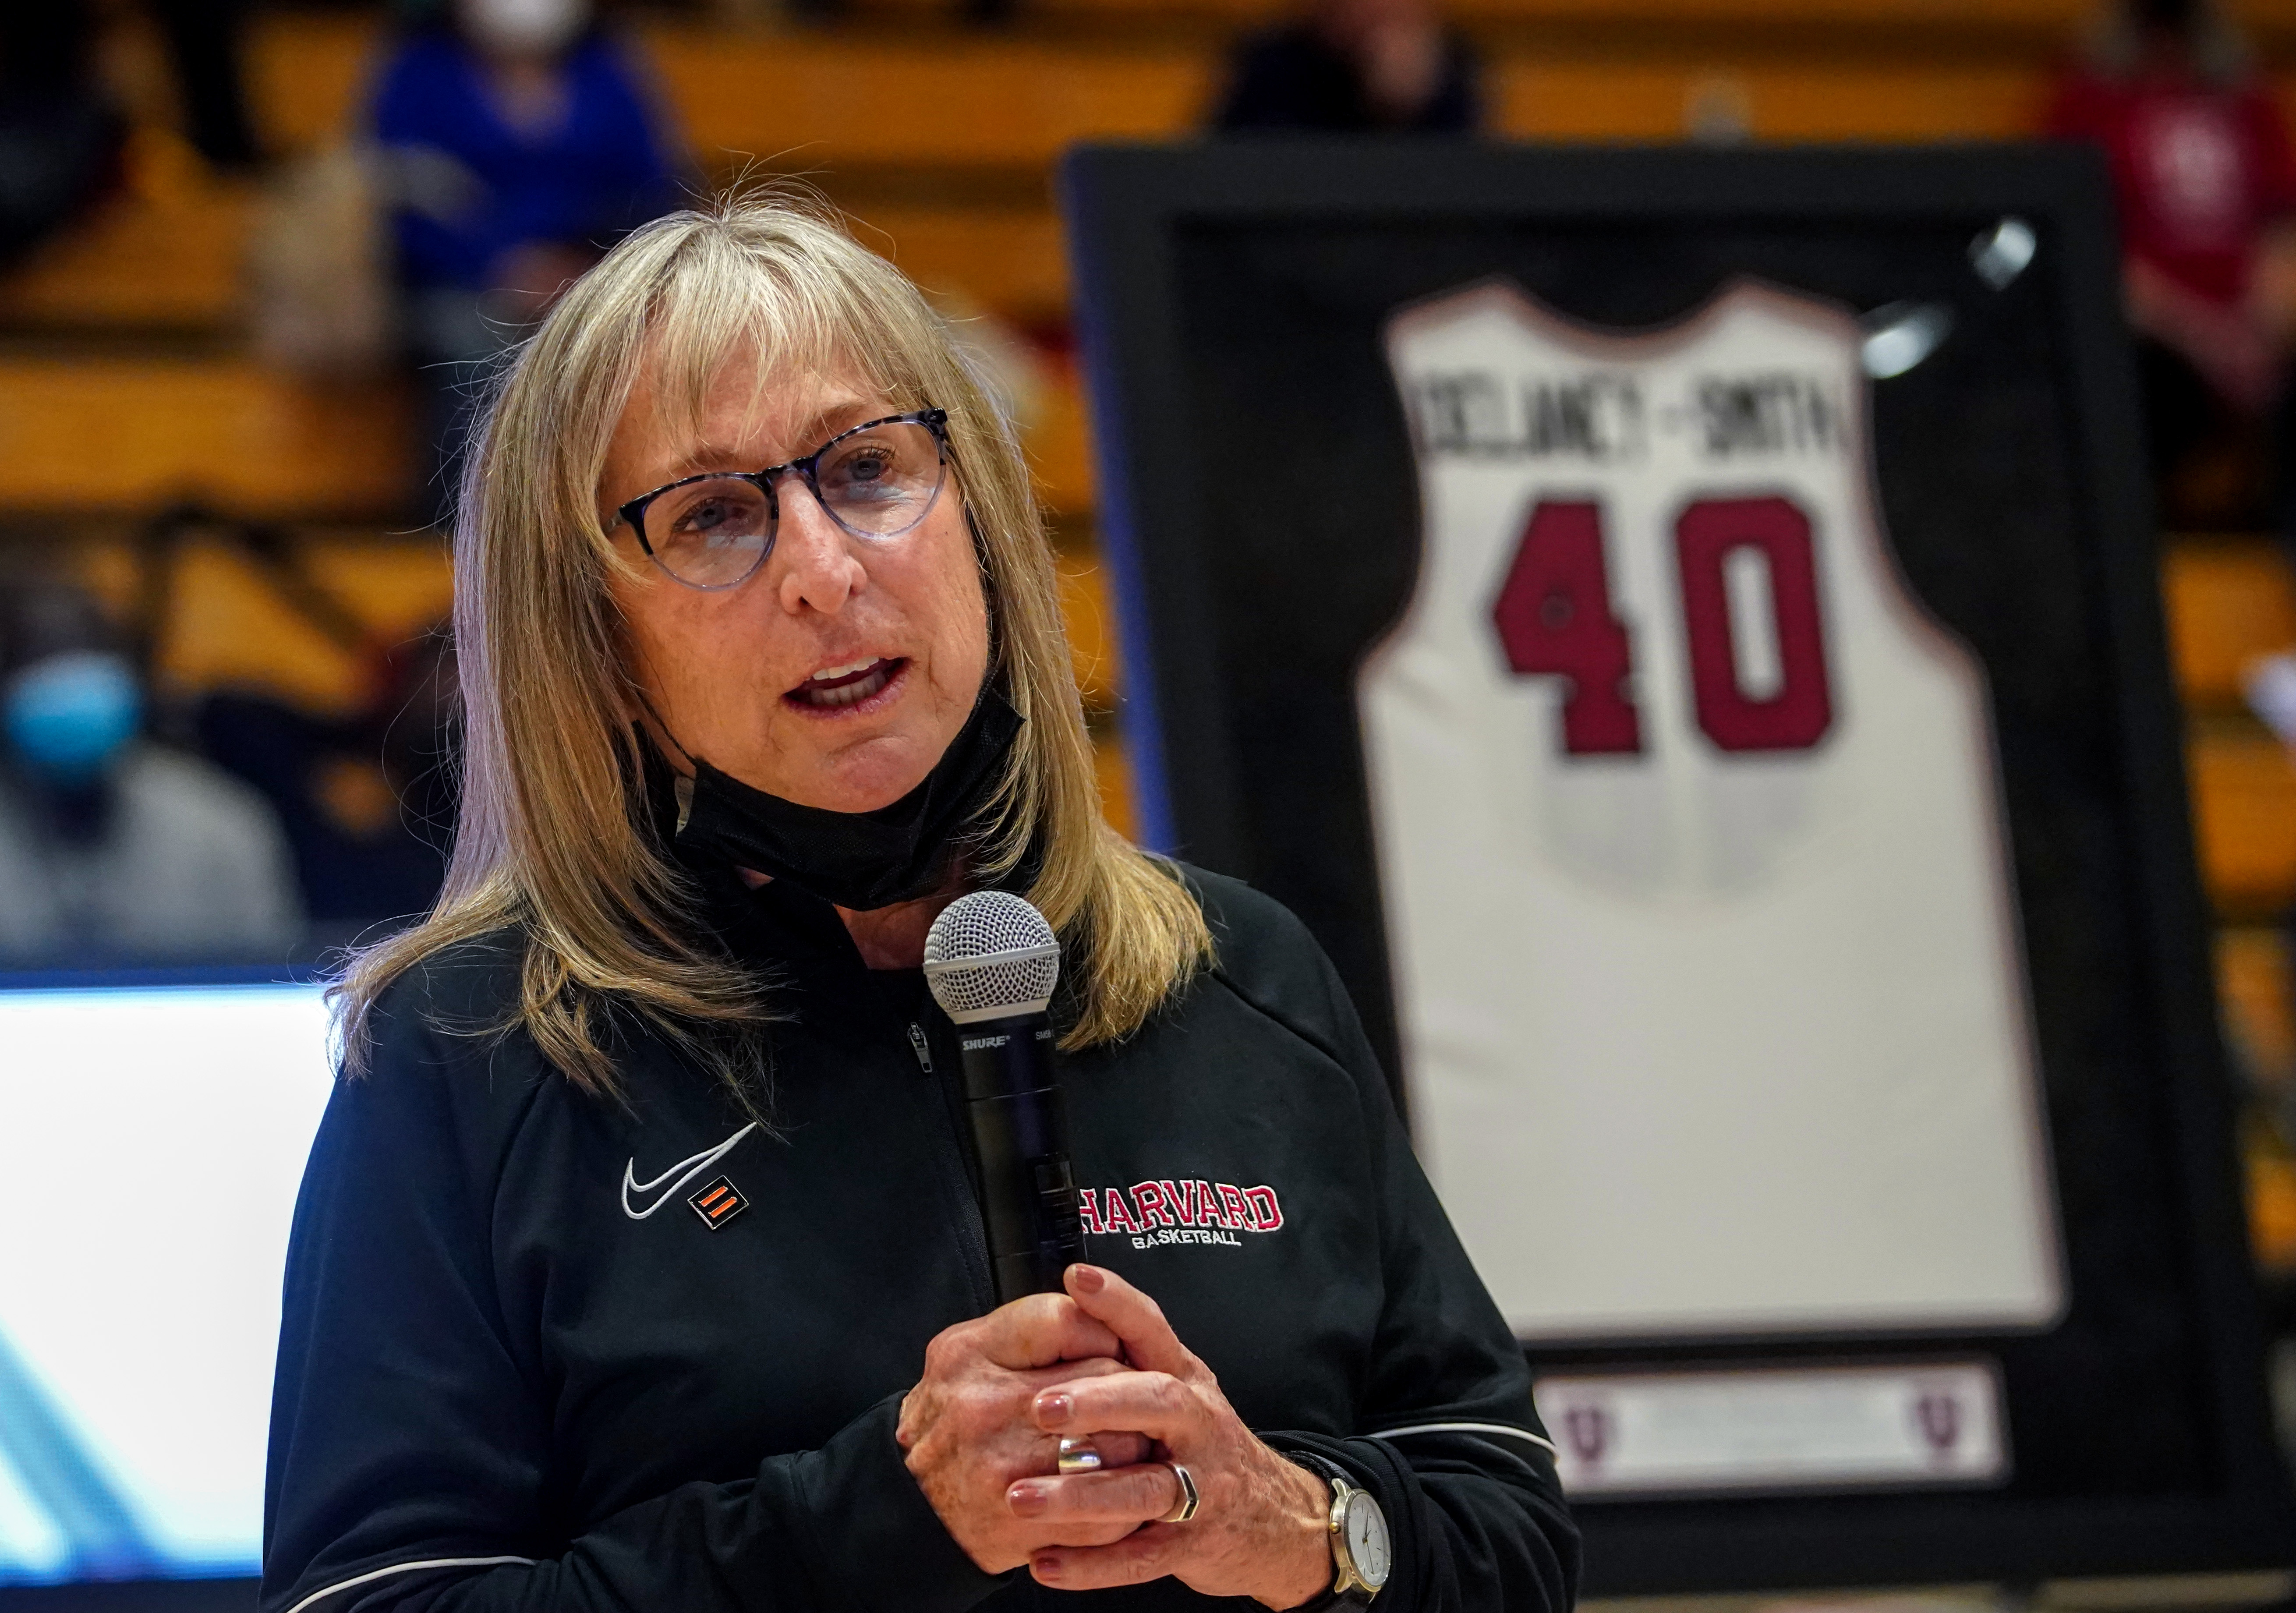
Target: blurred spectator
column 2202, row 168
column 523, row 142
column 203, row 42
column 113, row 849
column 1354, row 67
column 367, row 801
column 60, row 133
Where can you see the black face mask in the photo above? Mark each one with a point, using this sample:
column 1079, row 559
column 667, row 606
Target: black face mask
column 858, row 860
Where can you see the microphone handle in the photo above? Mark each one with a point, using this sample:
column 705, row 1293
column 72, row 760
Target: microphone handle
column 1020, row 1134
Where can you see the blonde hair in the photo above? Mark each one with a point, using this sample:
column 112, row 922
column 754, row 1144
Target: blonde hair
column 553, row 843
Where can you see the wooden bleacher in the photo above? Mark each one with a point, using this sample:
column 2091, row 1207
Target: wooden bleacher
column 114, row 435
column 230, row 627
column 164, row 255
column 2227, row 603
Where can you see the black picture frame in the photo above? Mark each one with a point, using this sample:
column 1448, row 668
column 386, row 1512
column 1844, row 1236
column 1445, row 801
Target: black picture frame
column 1137, row 213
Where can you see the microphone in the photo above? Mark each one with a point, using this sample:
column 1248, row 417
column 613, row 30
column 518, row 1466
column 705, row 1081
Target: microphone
column 991, row 960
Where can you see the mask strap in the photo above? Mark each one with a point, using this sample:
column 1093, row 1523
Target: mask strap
column 683, row 754
column 681, row 787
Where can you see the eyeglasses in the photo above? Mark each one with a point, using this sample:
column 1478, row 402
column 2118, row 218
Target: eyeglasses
column 875, row 480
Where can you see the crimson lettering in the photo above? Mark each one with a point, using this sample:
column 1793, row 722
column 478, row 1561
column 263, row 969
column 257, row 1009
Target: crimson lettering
column 1796, row 713
column 1554, row 615
column 1148, row 1199
column 1116, row 1212
column 1266, row 1215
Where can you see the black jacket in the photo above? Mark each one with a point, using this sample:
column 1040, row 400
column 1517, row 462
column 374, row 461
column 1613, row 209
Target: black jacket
column 518, row 1368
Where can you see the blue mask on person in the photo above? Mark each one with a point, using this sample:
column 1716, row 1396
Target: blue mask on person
column 68, row 715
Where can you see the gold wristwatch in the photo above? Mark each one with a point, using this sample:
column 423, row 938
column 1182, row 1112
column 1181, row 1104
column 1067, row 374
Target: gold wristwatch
column 1361, row 1551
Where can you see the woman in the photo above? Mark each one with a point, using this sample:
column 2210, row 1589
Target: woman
column 637, row 1264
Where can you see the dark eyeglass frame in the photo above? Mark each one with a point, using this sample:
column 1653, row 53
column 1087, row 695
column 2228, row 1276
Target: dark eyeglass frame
column 935, row 421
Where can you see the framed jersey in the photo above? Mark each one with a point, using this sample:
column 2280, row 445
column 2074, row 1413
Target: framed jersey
column 1675, row 806
column 1680, row 626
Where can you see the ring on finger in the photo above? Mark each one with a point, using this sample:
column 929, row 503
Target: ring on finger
column 1185, row 1507
column 1078, row 1456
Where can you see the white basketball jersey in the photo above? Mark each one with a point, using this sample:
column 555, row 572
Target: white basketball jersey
column 1703, row 940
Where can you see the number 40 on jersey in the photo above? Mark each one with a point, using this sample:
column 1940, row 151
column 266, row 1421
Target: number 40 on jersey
column 1555, row 618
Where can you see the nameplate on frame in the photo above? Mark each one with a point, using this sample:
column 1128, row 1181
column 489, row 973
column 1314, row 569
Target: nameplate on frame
column 1776, row 1428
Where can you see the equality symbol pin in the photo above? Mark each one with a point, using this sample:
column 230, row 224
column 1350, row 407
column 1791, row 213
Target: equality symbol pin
column 718, row 1202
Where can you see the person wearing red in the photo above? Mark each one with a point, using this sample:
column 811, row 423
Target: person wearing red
column 2204, row 171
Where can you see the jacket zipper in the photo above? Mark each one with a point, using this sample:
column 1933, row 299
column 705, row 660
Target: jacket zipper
column 958, row 1160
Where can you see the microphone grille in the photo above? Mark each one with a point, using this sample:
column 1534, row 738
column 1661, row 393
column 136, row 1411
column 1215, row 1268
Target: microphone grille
column 991, row 956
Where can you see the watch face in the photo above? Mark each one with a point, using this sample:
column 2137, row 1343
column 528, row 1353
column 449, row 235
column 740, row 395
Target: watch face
column 1366, row 1536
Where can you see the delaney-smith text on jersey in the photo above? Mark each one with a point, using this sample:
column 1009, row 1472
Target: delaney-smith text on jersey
column 1606, row 416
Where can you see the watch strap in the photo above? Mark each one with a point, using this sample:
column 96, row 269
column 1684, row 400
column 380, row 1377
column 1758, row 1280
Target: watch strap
column 1357, row 1596
column 1322, row 1466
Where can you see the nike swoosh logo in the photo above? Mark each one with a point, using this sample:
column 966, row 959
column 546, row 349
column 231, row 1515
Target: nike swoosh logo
column 677, row 1176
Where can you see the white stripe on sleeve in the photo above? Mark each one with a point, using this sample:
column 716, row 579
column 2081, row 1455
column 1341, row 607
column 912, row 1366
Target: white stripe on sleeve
column 407, row 1568
column 1500, row 1429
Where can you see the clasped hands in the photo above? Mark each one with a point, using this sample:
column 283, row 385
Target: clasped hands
column 982, row 1429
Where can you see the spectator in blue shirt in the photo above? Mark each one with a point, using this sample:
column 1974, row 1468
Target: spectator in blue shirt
column 523, row 142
